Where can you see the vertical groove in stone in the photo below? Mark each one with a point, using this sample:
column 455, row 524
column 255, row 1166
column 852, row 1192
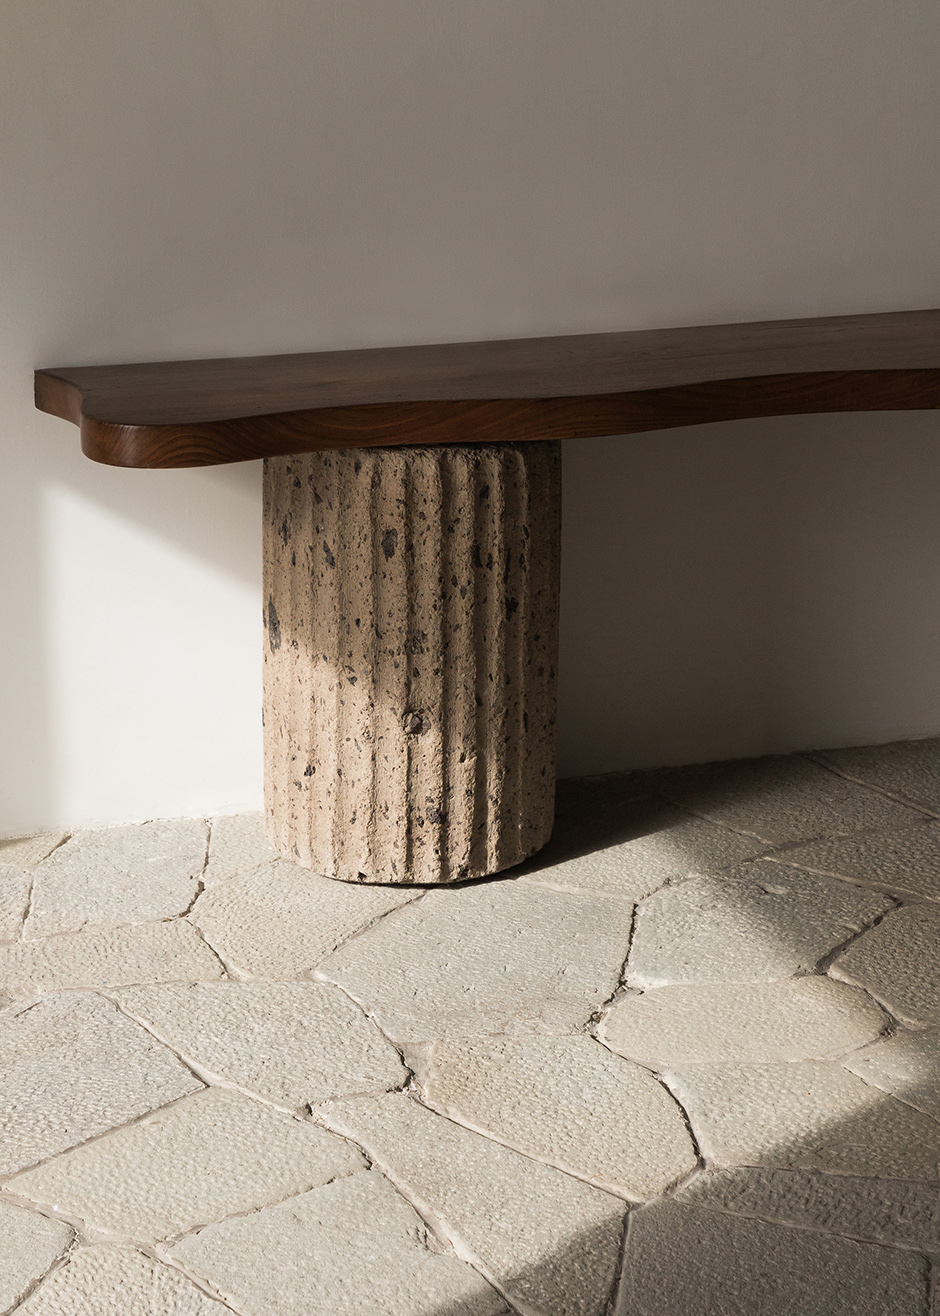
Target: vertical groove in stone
column 411, row 601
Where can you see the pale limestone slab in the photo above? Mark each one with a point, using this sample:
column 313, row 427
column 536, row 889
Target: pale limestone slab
column 780, row 799
column 890, row 1211
column 909, row 768
column 904, row 862
column 906, row 1065
column 741, row 1023
column 22, row 851
column 807, row 1115
column 108, row 957
column 569, row 1102
column 14, row 898
column 208, row 1156
column 237, row 844
column 29, row 1243
column 686, row 1261
column 548, row 1241
column 351, row 1248
column 72, row 1067
column 899, row 962
column 660, row 844
column 504, row 957
column 280, row 920
column 118, row 875
column 297, row 1043
column 760, row 921
column 118, row 1281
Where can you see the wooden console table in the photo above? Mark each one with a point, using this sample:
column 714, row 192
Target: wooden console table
column 411, row 595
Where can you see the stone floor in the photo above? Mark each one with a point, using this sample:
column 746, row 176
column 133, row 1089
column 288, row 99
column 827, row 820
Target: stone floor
column 685, row 1063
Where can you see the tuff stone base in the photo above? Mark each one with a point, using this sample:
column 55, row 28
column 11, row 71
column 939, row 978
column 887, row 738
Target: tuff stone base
column 411, row 613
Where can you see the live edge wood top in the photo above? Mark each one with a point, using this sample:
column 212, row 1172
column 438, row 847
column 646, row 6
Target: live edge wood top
column 202, row 413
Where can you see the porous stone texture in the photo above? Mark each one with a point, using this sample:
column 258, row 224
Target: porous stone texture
column 297, row 1043
column 237, row 845
column 118, row 1281
column 890, row 1211
column 411, row 610
column 763, row 920
column 805, row 1116
column 740, row 1022
column 549, row 1242
column 659, row 844
column 566, row 1101
column 506, row 957
column 29, row 1243
column 72, row 1067
column 118, row 875
column 781, row 799
column 208, row 1156
column 15, row 885
column 898, row 962
column 108, row 957
column 21, row 851
column 906, row 1065
column 908, row 768
column 280, row 920
column 904, row 863
column 685, row 1261
column 350, row 1248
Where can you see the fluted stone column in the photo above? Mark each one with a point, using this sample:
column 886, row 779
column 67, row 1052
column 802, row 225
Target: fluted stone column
column 411, row 613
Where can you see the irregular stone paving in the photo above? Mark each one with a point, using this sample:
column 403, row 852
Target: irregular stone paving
column 351, row 1248
column 71, row 1067
column 710, row 1008
column 569, row 1102
column 735, row 1022
column 761, row 921
column 499, row 957
column 208, row 1156
column 29, row 1244
column 118, row 1281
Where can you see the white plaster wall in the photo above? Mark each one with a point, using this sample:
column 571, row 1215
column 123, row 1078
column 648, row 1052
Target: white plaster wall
column 207, row 177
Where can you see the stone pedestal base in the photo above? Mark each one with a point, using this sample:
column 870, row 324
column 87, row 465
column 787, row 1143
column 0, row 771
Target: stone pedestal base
column 411, row 612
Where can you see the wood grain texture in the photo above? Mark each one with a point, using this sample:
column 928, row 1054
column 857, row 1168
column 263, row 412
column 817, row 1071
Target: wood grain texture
column 203, row 413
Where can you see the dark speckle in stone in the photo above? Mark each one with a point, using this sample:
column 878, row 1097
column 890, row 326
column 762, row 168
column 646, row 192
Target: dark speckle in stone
column 274, row 627
column 329, row 554
column 389, row 544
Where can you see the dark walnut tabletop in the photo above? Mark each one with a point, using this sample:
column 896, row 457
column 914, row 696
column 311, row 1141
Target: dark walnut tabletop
column 202, row 413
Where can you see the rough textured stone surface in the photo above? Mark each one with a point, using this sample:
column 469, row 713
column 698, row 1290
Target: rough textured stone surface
column 21, row 851
column 118, row 875
column 684, row 1261
column 889, row 1211
column 29, row 1243
column 209, row 1156
column 909, row 768
column 906, row 1065
column 279, row 921
column 351, row 1248
column 781, row 799
column 567, row 1101
column 661, row 843
column 905, row 862
column 72, row 1067
column 117, row 1281
column 808, row 1116
column 108, row 957
column 411, row 607
column 507, row 957
column 899, row 962
column 741, row 1023
column 297, row 1043
column 237, row 845
column 14, row 898
column 763, row 920
column 546, row 1239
